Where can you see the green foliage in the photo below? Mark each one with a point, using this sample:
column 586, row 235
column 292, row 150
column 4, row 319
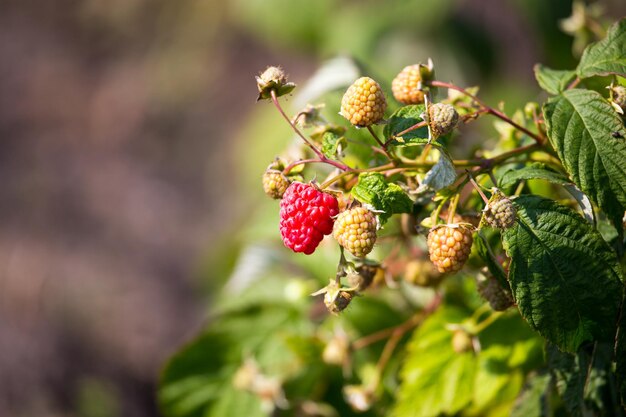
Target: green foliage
column 607, row 56
column 402, row 119
column 270, row 349
column 553, row 81
column 564, row 277
column 581, row 125
column 535, row 170
column 441, row 378
column 332, row 143
column 386, row 197
column 534, row 400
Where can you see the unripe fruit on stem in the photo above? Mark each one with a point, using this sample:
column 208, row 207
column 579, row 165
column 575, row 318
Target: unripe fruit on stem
column 364, row 103
column 405, row 86
column 500, row 213
column 355, row 230
column 443, row 118
column 306, row 215
column 490, row 290
column 423, row 273
column 449, row 246
column 275, row 183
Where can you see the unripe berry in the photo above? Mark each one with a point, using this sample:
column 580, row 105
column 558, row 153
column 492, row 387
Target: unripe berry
column 462, row 341
column 443, row 118
column 405, row 86
column 449, row 246
column 355, row 230
column 423, row 273
column 500, row 213
column 364, row 103
column 306, row 215
column 491, row 291
column 275, row 183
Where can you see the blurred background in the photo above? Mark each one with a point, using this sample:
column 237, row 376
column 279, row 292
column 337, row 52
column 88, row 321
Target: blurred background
column 131, row 151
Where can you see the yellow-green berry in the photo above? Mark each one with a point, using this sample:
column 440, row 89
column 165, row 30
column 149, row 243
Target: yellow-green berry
column 275, row 183
column 364, row 103
column 405, row 87
column 442, row 119
column 500, row 213
column 423, row 273
column 449, row 246
column 355, row 230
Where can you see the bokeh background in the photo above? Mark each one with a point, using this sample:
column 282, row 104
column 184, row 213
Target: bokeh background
column 131, row 150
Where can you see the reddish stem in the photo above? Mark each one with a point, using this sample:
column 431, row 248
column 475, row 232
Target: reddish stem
column 321, row 157
column 489, row 110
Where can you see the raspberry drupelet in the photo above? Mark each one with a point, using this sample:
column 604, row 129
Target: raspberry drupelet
column 306, row 216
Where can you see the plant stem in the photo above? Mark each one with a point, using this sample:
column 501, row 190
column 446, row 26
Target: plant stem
column 452, row 208
column 383, row 146
column 489, row 110
column 477, row 187
column 321, row 157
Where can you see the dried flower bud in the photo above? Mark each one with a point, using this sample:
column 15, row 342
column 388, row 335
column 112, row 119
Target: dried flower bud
column 273, row 78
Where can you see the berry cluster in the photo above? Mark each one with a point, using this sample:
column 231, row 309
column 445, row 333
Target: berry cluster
column 308, row 212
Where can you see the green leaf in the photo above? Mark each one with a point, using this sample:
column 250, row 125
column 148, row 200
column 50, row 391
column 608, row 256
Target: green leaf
column 553, row 81
column 535, row 170
column 387, row 197
column 197, row 381
column 570, row 373
column 580, row 125
column 620, row 355
column 539, row 170
column 584, row 380
column 564, row 277
column 441, row 175
column 435, row 379
column 402, row 119
column 607, row 56
column 533, row 400
column 333, row 144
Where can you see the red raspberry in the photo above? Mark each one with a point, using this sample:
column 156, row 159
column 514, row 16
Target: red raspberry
column 306, row 215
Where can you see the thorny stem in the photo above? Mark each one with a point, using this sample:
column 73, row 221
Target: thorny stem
column 489, row 110
column 321, row 157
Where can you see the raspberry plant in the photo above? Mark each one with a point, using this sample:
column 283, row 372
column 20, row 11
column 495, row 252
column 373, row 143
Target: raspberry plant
column 482, row 285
